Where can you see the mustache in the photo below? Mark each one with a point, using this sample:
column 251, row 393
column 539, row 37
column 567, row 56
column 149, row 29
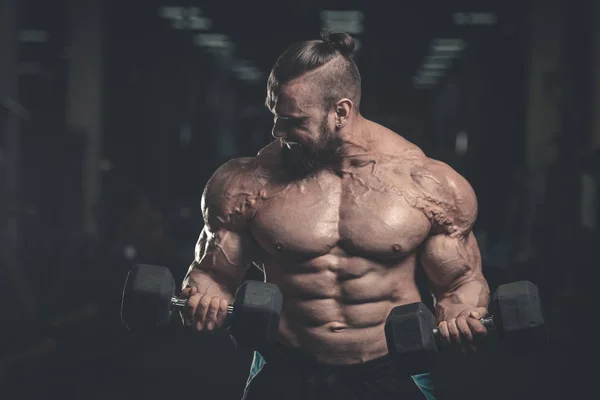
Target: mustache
column 288, row 143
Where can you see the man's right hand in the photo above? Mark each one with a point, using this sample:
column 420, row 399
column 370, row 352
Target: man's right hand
column 204, row 313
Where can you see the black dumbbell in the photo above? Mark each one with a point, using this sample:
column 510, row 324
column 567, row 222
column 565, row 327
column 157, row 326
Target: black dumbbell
column 516, row 316
column 149, row 300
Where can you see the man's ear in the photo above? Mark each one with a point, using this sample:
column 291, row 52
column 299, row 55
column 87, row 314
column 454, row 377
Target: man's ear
column 343, row 109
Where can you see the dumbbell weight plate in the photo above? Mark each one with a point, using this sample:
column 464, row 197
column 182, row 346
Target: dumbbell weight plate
column 517, row 311
column 146, row 301
column 410, row 339
column 257, row 310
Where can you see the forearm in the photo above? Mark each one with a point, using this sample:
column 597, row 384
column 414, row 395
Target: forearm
column 219, row 264
column 208, row 284
column 469, row 293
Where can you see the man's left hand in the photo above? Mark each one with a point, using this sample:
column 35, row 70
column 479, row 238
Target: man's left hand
column 466, row 330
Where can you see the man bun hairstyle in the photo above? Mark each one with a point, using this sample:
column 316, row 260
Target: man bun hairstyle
column 329, row 60
column 339, row 41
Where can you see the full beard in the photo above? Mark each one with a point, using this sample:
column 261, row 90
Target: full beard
column 301, row 160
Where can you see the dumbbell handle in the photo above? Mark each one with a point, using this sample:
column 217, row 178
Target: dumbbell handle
column 488, row 323
column 177, row 303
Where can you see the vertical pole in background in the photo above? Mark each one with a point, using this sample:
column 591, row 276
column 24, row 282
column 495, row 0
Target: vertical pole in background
column 595, row 140
column 575, row 140
column 10, row 115
column 577, row 122
column 9, row 17
column 590, row 202
column 84, row 97
column 543, row 120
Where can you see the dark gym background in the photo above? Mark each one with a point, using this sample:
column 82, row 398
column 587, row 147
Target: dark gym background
column 114, row 114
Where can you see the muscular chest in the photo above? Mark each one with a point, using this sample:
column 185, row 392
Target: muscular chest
column 361, row 216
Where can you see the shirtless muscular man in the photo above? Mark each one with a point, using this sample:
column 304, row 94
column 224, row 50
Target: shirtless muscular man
column 340, row 211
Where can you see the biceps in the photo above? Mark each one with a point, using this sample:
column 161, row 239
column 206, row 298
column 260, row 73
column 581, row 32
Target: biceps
column 223, row 254
column 450, row 260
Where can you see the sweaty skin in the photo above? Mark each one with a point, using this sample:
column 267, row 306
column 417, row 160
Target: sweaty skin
column 343, row 244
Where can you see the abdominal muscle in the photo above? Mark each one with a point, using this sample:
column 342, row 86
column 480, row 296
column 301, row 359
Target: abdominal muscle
column 334, row 308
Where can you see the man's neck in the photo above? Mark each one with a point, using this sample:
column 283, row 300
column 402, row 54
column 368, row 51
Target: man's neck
column 358, row 140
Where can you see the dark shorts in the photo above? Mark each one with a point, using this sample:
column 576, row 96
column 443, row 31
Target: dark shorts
column 284, row 373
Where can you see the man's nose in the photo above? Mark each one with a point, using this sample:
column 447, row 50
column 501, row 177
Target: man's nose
column 277, row 132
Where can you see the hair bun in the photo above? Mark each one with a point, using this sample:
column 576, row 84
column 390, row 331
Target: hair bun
column 340, row 41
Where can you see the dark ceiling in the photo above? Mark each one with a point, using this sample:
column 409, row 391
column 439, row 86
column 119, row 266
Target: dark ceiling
column 394, row 41
column 396, row 33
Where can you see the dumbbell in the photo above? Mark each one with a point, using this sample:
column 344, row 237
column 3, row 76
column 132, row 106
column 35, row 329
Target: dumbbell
column 149, row 300
column 516, row 316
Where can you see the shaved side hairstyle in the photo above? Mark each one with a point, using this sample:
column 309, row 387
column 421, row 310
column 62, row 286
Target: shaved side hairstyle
column 329, row 63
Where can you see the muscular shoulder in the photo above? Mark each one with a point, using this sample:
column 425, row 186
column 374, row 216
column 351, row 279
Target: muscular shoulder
column 433, row 187
column 441, row 193
column 449, row 199
column 231, row 194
